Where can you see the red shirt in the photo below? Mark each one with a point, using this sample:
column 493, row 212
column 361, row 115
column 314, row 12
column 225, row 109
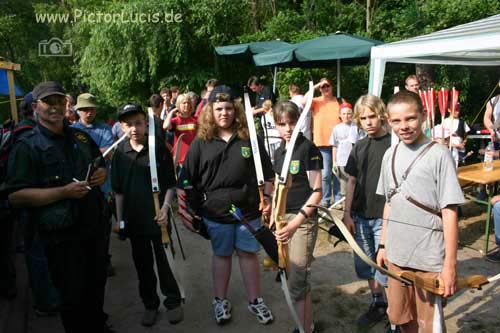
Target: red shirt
column 186, row 126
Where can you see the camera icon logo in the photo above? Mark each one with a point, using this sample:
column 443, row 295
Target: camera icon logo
column 55, row 47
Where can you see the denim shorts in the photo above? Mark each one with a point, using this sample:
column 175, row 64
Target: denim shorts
column 225, row 238
column 368, row 233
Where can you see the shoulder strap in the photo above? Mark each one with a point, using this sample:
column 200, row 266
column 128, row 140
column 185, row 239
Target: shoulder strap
column 407, row 171
column 494, row 101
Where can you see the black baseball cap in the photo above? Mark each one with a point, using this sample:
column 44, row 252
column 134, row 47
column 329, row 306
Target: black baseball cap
column 129, row 109
column 46, row 89
column 222, row 89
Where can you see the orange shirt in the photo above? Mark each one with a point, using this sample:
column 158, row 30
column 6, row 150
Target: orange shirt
column 326, row 116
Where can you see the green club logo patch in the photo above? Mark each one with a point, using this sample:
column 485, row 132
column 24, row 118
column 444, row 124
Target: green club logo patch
column 246, row 152
column 294, row 167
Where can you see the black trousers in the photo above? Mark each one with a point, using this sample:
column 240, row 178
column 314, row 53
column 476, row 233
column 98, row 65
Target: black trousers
column 142, row 254
column 77, row 268
column 8, row 255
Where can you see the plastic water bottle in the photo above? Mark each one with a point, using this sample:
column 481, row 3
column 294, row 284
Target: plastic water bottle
column 488, row 157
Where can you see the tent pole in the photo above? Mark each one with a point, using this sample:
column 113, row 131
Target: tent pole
column 10, row 68
column 338, row 77
column 274, row 79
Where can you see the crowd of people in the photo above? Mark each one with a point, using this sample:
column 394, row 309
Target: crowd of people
column 67, row 191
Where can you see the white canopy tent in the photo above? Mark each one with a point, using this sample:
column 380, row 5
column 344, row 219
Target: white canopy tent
column 472, row 44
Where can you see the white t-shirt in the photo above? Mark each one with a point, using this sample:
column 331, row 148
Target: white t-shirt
column 496, row 113
column 451, row 126
column 306, row 128
column 272, row 136
column 344, row 136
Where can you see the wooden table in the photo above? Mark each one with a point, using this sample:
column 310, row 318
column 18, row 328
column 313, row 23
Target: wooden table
column 474, row 173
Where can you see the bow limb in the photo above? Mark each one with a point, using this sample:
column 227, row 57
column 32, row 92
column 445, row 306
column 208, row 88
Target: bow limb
column 355, row 247
column 155, row 187
column 280, row 219
column 283, row 255
column 436, row 286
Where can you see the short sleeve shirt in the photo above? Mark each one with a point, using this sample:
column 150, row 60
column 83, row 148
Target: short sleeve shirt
column 364, row 164
column 186, row 126
column 343, row 137
column 264, row 95
column 414, row 237
column 325, row 116
column 306, row 157
column 99, row 132
column 132, row 177
column 224, row 172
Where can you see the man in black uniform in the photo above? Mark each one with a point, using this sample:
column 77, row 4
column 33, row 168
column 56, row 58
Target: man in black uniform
column 42, row 173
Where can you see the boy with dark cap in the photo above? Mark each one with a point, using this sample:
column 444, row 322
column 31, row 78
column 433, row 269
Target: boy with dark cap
column 131, row 181
column 44, row 173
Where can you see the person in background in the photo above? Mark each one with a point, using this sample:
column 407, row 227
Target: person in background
column 194, row 97
column 296, row 97
column 167, row 96
column 412, row 84
column 174, row 90
column 100, row 132
column 491, row 119
column 344, row 136
column 209, row 86
column 181, row 121
column 457, row 130
column 262, row 94
column 325, row 116
column 156, row 102
column 71, row 114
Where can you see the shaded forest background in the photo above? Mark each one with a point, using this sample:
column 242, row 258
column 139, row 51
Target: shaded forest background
column 127, row 62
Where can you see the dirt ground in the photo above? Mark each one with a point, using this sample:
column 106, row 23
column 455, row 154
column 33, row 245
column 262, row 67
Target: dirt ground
column 338, row 296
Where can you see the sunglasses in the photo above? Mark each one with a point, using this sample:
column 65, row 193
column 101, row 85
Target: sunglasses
column 325, row 86
column 54, row 100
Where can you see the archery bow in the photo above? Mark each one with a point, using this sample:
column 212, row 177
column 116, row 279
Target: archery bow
column 155, row 186
column 283, row 183
column 435, row 286
column 255, row 149
column 355, row 247
column 177, row 152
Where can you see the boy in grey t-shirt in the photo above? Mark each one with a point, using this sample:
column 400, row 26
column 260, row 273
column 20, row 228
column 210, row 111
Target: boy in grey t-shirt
column 420, row 228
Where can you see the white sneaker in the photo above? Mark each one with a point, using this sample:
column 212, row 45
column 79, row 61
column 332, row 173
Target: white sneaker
column 222, row 310
column 259, row 308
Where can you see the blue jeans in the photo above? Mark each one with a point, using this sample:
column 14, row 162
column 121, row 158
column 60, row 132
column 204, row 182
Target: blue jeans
column 326, row 177
column 496, row 219
column 368, row 233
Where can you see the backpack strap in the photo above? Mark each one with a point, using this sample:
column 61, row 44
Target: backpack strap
column 405, row 176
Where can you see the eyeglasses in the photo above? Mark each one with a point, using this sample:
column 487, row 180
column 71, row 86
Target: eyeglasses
column 325, row 86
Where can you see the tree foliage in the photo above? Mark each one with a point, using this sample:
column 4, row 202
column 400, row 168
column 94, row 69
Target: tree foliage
column 122, row 62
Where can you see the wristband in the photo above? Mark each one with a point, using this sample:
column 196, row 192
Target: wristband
column 303, row 212
column 266, row 195
column 381, row 246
